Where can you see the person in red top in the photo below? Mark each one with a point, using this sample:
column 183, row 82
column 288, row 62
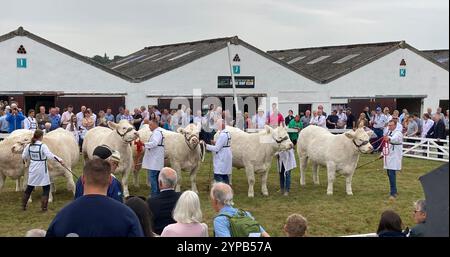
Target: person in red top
column 275, row 118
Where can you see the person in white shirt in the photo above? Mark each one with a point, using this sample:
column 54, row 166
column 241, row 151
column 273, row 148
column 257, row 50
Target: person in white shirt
column 393, row 159
column 379, row 122
column 30, row 122
column 342, row 119
column 427, row 125
column 199, row 120
column 285, row 163
column 80, row 116
column 73, row 128
column 153, row 159
column 66, row 116
column 387, row 114
column 259, row 119
column 319, row 120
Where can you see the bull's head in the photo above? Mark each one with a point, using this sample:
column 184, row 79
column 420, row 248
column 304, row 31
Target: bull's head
column 20, row 143
column 191, row 135
column 280, row 136
column 360, row 139
column 125, row 130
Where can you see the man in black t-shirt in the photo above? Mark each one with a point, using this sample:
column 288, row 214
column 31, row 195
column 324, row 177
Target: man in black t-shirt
column 351, row 120
column 94, row 214
column 332, row 120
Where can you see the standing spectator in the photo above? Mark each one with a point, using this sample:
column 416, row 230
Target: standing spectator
column 142, row 211
column 42, row 117
column 412, row 128
column 165, row 119
column 420, row 217
column 446, row 122
column 222, row 202
column 223, row 157
column 275, row 118
column 396, row 112
column 259, row 119
column 4, row 125
column 438, row 132
column 144, row 113
column 94, row 214
column 427, row 124
column 402, row 116
column 247, row 121
column 367, row 112
column 393, row 160
column 342, row 119
column 188, row 215
column 102, row 121
column 332, row 120
column 55, row 120
column 109, row 116
column 390, row 225
column 319, row 120
column 88, row 121
column 93, row 115
column 387, row 113
column 126, row 116
column 288, row 118
column 154, row 116
column 156, row 111
column 306, row 119
column 297, row 124
column 80, row 115
column 119, row 115
column 419, row 123
column 66, row 116
column 362, row 120
column 30, row 122
column 153, row 159
column 137, row 118
column 162, row 205
column 210, row 129
column 351, row 120
column 320, row 108
column 14, row 119
column 73, row 128
column 439, row 112
column 240, row 120
column 286, row 162
column 187, row 118
column 198, row 120
column 296, row 226
column 379, row 122
column 430, row 111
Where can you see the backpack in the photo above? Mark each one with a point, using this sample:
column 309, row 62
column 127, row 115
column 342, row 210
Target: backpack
column 241, row 224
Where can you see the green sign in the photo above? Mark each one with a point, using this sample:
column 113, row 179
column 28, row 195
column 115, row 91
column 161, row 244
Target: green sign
column 402, row 72
column 21, row 62
column 236, row 69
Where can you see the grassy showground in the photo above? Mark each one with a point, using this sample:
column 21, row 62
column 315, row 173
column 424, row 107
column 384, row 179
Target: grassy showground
column 327, row 215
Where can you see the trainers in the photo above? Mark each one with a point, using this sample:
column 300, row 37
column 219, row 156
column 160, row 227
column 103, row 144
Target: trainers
column 286, row 193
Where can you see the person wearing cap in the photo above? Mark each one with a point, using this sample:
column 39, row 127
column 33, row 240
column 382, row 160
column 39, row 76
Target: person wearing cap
column 379, row 122
column 115, row 190
column 259, row 120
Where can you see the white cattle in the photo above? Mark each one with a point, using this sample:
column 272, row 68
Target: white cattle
column 254, row 152
column 182, row 152
column 61, row 143
column 336, row 152
column 119, row 137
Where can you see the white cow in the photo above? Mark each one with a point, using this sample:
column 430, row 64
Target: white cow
column 336, row 152
column 254, row 152
column 182, row 151
column 119, row 137
column 61, row 143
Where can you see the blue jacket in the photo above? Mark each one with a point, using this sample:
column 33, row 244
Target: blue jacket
column 114, row 190
column 15, row 121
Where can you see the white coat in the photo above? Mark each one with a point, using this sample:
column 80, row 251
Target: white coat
column 320, row 121
column 154, row 151
column 287, row 158
column 223, row 158
column 393, row 161
column 38, row 153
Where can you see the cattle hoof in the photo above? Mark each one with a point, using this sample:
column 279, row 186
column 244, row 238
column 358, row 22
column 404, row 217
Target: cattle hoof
column 265, row 194
column 251, row 195
column 329, row 193
column 349, row 193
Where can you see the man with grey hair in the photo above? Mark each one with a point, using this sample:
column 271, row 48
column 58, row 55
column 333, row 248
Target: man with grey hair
column 420, row 217
column 36, row 233
column 162, row 205
column 222, row 202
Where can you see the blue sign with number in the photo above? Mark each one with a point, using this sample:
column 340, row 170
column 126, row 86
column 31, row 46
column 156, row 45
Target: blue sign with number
column 236, row 69
column 21, row 62
column 402, row 72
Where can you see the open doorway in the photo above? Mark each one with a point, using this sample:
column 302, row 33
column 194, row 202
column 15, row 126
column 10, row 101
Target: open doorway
column 444, row 105
column 413, row 105
column 302, row 108
column 34, row 102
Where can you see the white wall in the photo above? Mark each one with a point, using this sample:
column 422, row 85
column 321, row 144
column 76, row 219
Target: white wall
column 51, row 70
column 381, row 77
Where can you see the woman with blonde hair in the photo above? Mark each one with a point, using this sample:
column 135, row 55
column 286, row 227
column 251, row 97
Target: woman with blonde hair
column 188, row 215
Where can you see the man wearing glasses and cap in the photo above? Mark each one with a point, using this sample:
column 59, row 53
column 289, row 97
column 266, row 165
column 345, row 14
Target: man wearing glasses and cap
column 115, row 190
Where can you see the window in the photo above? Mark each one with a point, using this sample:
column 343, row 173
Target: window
column 181, row 55
column 296, row 59
column 346, row 58
column 321, row 58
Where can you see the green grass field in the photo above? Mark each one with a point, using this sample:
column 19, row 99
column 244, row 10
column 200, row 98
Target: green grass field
column 327, row 215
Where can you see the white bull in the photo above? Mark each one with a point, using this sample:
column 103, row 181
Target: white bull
column 336, row 152
column 254, row 152
column 181, row 152
column 118, row 137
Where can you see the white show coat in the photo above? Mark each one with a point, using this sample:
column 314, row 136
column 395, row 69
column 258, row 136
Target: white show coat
column 30, row 123
column 259, row 121
column 223, row 158
column 287, row 158
column 393, row 161
column 154, row 151
column 38, row 153
column 320, row 121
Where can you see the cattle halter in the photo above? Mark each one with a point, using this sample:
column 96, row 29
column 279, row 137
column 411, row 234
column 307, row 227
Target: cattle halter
column 188, row 140
column 281, row 140
column 124, row 134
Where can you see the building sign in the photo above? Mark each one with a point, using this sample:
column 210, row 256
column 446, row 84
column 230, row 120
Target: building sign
column 21, row 62
column 236, row 58
column 241, row 82
column 236, row 69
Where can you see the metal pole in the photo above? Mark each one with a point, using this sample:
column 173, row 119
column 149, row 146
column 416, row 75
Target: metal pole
column 232, row 77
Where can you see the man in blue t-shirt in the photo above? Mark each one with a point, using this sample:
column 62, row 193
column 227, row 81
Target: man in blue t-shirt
column 115, row 189
column 94, row 214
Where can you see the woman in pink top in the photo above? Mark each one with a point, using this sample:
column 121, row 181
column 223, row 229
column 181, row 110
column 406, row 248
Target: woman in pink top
column 188, row 215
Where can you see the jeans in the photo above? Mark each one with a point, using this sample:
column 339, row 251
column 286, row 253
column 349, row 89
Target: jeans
column 153, row 179
column 285, row 179
column 222, row 178
column 379, row 133
column 392, row 182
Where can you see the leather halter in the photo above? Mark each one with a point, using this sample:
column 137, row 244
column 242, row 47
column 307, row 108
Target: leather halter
column 360, row 145
column 282, row 140
column 188, row 140
column 124, row 134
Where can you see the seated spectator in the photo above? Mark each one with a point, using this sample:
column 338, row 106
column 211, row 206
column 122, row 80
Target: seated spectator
column 188, row 215
column 142, row 211
column 390, row 225
column 36, row 233
column 163, row 204
column 296, row 226
column 332, row 120
column 224, row 223
column 115, row 190
column 94, row 214
column 420, row 217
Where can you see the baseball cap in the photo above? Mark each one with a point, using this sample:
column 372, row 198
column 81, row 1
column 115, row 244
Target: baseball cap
column 115, row 156
column 103, row 152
